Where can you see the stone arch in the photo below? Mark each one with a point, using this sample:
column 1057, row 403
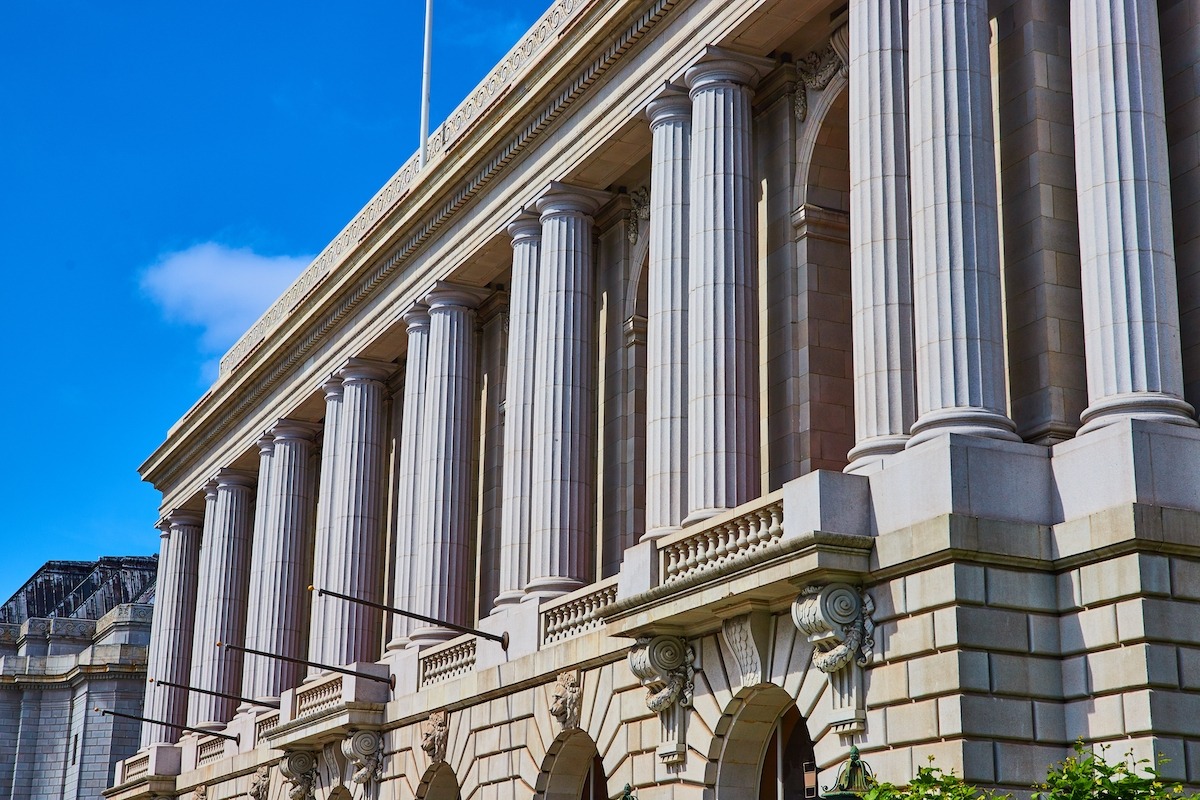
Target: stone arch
column 754, row 720
column 340, row 793
column 827, row 122
column 439, row 783
column 572, row 769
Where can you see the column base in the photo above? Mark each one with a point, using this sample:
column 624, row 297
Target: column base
column 659, row 533
column 868, row 455
column 396, row 643
column 701, row 514
column 1156, row 406
column 429, row 636
column 548, row 588
column 963, row 420
column 508, row 598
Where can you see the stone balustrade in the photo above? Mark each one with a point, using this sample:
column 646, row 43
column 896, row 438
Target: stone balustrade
column 319, row 696
column 578, row 612
column 721, row 539
column 264, row 725
column 136, row 767
column 443, row 662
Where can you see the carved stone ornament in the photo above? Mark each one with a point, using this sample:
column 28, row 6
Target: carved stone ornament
column 364, row 750
column 299, row 769
column 837, row 620
column 748, row 639
column 640, row 200
column 819, row 67
column 200, row 793
column 433, row 740
column 260, row 784
column 565, row 701
column 666, row 667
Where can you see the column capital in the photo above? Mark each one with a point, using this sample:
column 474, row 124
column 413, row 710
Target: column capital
column 525, row 226
column 228, row 477
column 332, row 387
column 359, row 370
column 265, row 444
column 559, row 199
column 183, row 518
column 210, row 489
column 718, row 65
column 454, row 295
column 671, row 104
column 416, row 318
column 163, row 526
column 294, row 430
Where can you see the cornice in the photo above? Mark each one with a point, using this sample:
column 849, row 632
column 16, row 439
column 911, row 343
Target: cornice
column 400, row 229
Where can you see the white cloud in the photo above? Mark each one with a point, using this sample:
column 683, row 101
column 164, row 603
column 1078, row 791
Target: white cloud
column 220, row 289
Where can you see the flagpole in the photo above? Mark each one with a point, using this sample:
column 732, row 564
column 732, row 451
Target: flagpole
column 425, row 76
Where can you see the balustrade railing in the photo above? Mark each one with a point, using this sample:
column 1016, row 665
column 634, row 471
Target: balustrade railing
column 578, row 612
column 209, row 750
column 137, row 767
column 265, row 724
column 449, row 660
column 722, row 539
column 319, row 697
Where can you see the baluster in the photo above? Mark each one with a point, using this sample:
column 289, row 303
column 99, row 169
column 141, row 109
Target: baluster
column 776, row 520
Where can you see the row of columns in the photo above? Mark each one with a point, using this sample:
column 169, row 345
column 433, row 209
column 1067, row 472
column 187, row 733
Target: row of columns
column 926, row 290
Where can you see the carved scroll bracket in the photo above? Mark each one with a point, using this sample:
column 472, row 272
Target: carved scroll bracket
column 299, row 769
column 666, row 667
column 364, row 751
column 837, row 621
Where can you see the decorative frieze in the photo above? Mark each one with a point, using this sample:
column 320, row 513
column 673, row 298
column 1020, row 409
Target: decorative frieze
column 665, row 666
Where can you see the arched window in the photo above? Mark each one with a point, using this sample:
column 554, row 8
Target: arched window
column 788, row 770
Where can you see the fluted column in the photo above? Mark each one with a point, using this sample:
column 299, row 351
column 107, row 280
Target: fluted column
column 564, row 397
column 170, row 656
column 1127, row 254
column 667, row 308
column 443, row 563
column 885, row 405
column 955, row 242
column 327, row 499
column 408, row 479
column 517, row 472
column 283, row 561
column 266, row 449
column 722, row 361
column 351, row 631
column 224, row 583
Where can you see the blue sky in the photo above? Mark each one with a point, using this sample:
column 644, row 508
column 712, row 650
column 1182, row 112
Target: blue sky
column 166, row 168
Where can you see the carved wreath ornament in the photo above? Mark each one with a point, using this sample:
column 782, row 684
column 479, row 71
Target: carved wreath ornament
column 664, row 664
column 837, row 620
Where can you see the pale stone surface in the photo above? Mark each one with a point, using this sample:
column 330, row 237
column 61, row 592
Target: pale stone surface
column 955, row 244
column 881, row 266
column 327, row 492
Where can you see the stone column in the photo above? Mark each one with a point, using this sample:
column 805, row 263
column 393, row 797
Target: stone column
column 1130, row 301
column 327, row 499
column 258, row 565
column 442, row 568
column 667, row 308
column 880, row 263
column 224, row 583
column 408, row 480
column 722, row 361
column 955, row 241
column 351, row 631
column 517, row 472
column 562, row 496
column 283, row 558
column 172, row 628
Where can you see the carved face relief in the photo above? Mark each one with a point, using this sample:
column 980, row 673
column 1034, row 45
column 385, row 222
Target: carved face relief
column 260, row 784
column 433, row 740
column 564, row 703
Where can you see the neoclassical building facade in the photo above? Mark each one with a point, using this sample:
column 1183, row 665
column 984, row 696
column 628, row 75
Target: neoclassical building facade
column 738, row 381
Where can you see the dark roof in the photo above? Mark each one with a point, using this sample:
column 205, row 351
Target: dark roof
column 82, row 589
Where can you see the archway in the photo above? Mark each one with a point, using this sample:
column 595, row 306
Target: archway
column 573, row 770
column 439, row 783
column 763, row 749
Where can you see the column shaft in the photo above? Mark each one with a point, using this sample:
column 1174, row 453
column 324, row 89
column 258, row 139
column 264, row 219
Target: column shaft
column 442, row 566
column 1130, row 301
column 667, row 309
column 880, row 261
column 283, row 556
column 258, row 565
column 517, row 471
column 224, row 583
column 564, row 414
column 408, row 479
column 351, row 631
column 955, row 241
column 327, row 499
column 722, row 361
column 172, row 629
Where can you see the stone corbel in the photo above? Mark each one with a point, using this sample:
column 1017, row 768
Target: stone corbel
column 837, row 621
column 666, row 667
column 435, row 736
column 747, row 638
column 364, row 751
column 565, row 700
column 299, row 769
